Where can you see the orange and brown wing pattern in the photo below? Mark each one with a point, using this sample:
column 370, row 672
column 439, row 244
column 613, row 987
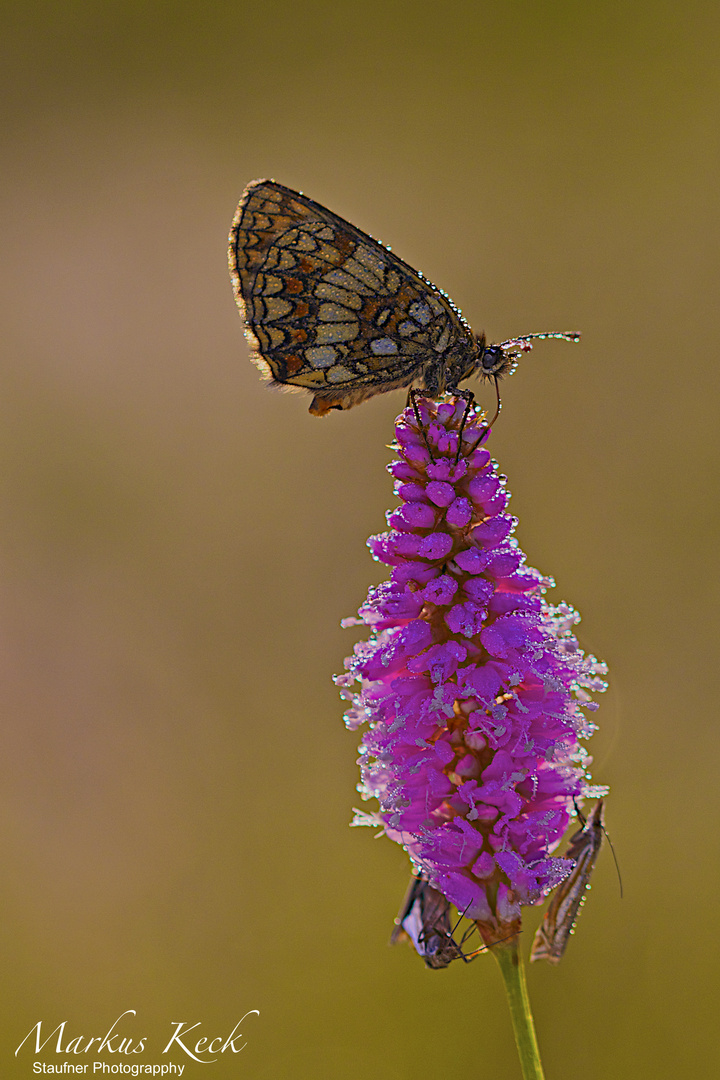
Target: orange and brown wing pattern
column 327, row 308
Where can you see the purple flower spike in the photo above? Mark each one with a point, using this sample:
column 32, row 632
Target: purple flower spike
column 472, row 686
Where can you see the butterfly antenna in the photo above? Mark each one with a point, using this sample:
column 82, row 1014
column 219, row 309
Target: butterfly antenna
column 617, row 864
column 460, row 919
column 523, row 342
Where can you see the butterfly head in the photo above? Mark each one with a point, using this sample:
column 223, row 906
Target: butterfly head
column 440, row 952
column 496, row 361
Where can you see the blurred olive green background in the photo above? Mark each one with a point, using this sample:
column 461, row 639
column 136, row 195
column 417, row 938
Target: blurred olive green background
column 178, row 544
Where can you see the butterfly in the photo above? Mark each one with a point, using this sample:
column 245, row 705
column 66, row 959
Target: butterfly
column 554, row 932
column 424, row 919
column 330, row 310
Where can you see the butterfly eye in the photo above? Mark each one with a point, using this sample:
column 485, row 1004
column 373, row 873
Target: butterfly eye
column 493, row 360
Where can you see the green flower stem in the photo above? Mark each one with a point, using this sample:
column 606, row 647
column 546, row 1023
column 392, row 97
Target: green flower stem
column 513, row 972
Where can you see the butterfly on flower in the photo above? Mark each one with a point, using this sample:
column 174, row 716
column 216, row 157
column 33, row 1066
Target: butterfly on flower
column 330, row 310
column 424, row 920
column 554, row 932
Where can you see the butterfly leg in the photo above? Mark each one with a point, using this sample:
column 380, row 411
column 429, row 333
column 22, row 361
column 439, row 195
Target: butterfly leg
column 412, row 395
column 469, row 957
column 469, row 399
column 581, row 817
